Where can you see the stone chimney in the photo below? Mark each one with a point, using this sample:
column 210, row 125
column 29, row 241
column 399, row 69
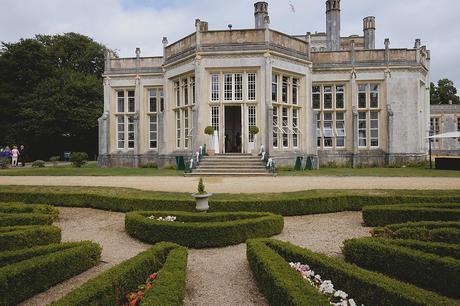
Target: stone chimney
column 333, row 25
column 261, row 14
column 369, row 32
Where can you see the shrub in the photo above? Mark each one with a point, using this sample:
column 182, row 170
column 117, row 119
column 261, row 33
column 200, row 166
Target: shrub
column 436, row 231
column 24, row 279
column 55, row 160
column 390, row 214
column 254, row 130
column 364, row 286
column 288, row 204
column 19, row 237
column 4, row 162
column 150, row 166
column 38, row 164
column 78, row 159
column 108, row 288
column 10, row 257
column 25, row 219
column 199, row 230
column 429, row 271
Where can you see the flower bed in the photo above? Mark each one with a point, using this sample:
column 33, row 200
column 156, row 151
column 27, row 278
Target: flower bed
column 110, row 287
column 389, row 214
column 281, row 285
column 201, row 230
column 436, row 231
column 326, row 287
column 23, row 279
column 288, row 204
column 426, row 270
column 19, row 237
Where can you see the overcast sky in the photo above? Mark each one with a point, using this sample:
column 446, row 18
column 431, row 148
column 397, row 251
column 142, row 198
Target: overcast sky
column 123, row 25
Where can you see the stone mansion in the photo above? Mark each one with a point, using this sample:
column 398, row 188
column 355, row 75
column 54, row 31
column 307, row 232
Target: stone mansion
column 317, row 94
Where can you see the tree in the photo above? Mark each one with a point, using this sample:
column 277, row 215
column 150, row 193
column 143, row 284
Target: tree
column 444, row 93
column 51, row 94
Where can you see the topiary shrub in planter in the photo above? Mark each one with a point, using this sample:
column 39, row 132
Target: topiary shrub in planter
column 110, row 287
column 425, row 270
column 23, row 279
column 78, row 159
column 390, row 214
column 19, row 237
column 202, row 230
column 269, row 262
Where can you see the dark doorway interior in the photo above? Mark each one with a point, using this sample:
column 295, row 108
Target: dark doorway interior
column 233, row 129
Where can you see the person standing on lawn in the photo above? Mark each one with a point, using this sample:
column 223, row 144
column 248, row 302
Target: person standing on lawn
column 14, row 156
column 22, row 155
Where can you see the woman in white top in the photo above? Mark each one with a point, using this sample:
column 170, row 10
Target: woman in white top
column 15, row 155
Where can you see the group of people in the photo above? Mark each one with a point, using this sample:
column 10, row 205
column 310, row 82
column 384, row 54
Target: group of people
column 16, row 156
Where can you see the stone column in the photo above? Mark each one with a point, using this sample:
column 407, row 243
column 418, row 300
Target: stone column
column 268, row 141
column 137, row 128
column 354, row 121
column 390, row 133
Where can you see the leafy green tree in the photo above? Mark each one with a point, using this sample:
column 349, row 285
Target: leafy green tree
column 51, row 94
column 444, row 93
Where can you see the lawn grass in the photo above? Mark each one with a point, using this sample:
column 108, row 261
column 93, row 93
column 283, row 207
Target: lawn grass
column 383, row 172
column 90, row 169
column 131, row 193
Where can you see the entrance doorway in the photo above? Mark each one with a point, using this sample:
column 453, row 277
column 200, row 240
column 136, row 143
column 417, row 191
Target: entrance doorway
column 233, row 129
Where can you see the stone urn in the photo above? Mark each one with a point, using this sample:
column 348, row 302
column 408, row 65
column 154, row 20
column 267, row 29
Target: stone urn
column 202, row 203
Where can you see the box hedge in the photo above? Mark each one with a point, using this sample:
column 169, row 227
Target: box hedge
column 109, row 288
column 425, row 270
column 25, row 219
column 10, row 257
column 19, row 237
column 365, row 287
column 21, row 280
column 437, row 248
column 288, row 204
column 389, row 214
column 436, row 231
column 14, row 208
column 200, row 230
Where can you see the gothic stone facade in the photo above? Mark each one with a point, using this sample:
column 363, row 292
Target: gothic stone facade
column 318, row 94
column 445, row 119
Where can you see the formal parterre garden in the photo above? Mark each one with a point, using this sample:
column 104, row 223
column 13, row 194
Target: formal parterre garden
column 412, row 258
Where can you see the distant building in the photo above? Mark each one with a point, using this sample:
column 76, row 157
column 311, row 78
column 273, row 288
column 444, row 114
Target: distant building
column 445, row 119
column 319, row 94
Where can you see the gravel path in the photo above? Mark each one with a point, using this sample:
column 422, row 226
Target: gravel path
column 214, row 276
column 240, row 184
column 106, row 228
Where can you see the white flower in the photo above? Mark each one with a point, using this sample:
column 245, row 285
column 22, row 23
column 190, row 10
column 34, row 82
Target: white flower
column 341, row 294
column 352, row 302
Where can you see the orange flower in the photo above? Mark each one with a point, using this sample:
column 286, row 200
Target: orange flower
column 148, row 285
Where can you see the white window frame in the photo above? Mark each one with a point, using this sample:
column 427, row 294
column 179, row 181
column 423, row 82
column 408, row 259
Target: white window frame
column 215, row 87
column 373, row 138
column 178, row 128
column 153, row 131
column 275, row 126
column 215, row 117
column 363, row 129
column 121, row 137
column 252, row 120
column 275, row 78
column 374, row 92
column 252, row 87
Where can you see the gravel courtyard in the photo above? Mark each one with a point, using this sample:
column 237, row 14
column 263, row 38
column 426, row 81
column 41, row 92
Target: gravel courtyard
column 214, row 275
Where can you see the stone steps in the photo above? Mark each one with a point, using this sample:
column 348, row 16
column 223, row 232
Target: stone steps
column 230, row 165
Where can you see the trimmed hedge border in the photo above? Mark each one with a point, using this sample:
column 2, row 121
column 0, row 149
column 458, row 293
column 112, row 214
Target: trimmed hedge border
column 436, row 231
column 428, row 271
column 437, row 248
column 109, row 288
column 295, row 204
column 19, row 237
column 24, row 279
column 11, row 257
column 18, row 208
column 25, row 219
column 390, row 214
column 198, row 230
column 366, row 287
